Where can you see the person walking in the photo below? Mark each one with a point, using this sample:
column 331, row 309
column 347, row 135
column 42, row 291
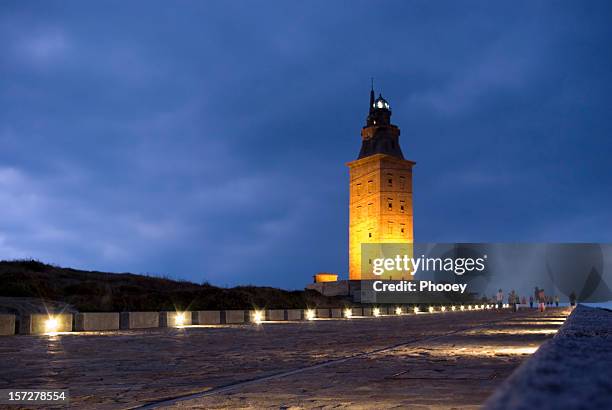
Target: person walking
column 572, row 298
column 542, row 300
column 513, row 300
column 531, row 302
column 557, row 300
column 500, row 298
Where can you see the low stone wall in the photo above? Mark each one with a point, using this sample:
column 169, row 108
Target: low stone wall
column 234, row 316
column 570, row 371
column 275, row 314
column 336, row 288
column 7, row 325
column 295, row 314
column 37, row 323
column 206, row 317
column 357, row 311
column 139, row 320
column 96, row 321
column 174, row 319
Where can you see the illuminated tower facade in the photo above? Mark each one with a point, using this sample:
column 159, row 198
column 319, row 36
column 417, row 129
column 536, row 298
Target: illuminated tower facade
column 380, row 204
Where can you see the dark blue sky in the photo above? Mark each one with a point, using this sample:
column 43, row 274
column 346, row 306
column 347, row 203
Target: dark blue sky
column 208, row 140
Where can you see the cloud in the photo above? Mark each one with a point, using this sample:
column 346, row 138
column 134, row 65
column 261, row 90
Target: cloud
column 211, row 145
column 503, row 65
column 42, row 47
column 42, row 219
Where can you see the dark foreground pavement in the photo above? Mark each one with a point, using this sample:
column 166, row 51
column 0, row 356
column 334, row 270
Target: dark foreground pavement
column 431, row 360
column 571, row 371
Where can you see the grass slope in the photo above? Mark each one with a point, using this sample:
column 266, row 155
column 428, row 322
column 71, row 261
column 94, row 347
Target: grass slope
column 102, row 291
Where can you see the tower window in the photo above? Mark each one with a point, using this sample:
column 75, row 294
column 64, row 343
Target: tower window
column 370, row 187
column 402, row 206
column 358, row 189
column 389, row 180
column 370, row 209
column 390, row 228
column 369, row 234
column 402, row 228
column 389, row 204
column 402, row 183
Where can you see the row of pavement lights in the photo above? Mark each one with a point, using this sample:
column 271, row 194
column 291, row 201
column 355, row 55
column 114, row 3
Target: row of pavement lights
column 40, row 323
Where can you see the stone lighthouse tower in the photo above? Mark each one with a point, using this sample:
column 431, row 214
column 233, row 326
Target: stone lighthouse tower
column 380, row 204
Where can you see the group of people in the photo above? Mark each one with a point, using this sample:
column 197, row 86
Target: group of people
column 539, row 297
column 542, row 299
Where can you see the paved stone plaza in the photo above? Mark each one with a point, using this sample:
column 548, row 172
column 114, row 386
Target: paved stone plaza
column 429, row 360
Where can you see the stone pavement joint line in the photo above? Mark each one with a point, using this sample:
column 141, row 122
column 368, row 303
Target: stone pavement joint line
column 237, row 385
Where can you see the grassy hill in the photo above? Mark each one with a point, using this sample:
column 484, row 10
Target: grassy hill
column 102, row 291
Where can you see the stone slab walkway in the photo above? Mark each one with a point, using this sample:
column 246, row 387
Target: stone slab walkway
column 441, row 359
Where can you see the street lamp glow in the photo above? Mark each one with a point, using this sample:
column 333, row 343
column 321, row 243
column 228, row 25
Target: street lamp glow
column 179, row 319
column 431, row 309
column 348, row 313
column 398, row 310
column 453, row 308
column 376, row 312
column 51, row 325
column 416, row 309
column 311, row 314
column 462, row 307
column 469, row 307
column 443, row 308
column 258, row 316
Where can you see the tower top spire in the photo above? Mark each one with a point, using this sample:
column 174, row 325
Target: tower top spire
column 371, row 96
